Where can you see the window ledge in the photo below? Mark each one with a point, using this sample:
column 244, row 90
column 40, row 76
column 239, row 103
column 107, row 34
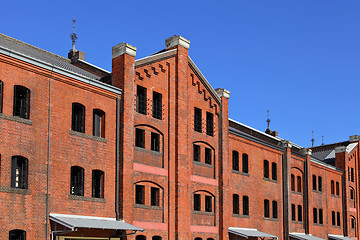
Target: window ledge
column 335, row 226
column 298, row 193
column 241, row 173
column 84, row 135
column 271, row 219
column 15, row 190
column 240, row 215
column 204, row 213
column 148, row 207
column 318, row 224
column 298, row 222
column 203, row 164
column 15, row 119
column 316, row 191
column 336, row 196
column 83, row 198
column 270, row 180
column 140, row 149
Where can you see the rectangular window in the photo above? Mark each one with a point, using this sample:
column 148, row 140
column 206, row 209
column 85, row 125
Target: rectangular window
column 352, row 174
column 155, row 196
column 235, row 160
column 314, row 182
column 140, row 138
column 274, row 171
column 236, row 204
column 78, row 117
column 209, row 124
column 299, row 184
column 141, row 100
column 157, row 105
column 196, row 153
column 338, row 219
column 292, row 182
column 197, row 120
column 208, row 204
column 274, row 209
column 98, row 123
column 337, row 189
column 332, row 187
column 293, row 211
column 333, row 220
column 320, row 184
column 266, row 169
column 77, row 181
column 352, row 223
column 197, row 202
column 208, row 155
column 21, row 102
column 17, row 234
column 139, row 194
column 19, row 172
column 300, row 213
column 245, row 163
column 315, row 215
column 155, row 142
column 321, row 216
column 266, row 208
column 245, row 205
column 97, row 184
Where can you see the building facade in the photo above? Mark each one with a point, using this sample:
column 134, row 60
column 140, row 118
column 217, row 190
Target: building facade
column 147, row 151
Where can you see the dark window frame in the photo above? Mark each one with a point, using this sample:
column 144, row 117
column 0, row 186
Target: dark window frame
column 266, row 208
column 208, row 156
column 155, row 196
column 1, row 95
column 19, row 172
column 300, row 213
column 208, row 203
column 98, row 178
column 17, row 234
column 299, row 184
column 274, row 209
column 293, row 212
column 139, row 194
column 235, row 160
column 157, row 105
column 274, row 171
column 141, row 100
column 315, row 215
column 196, row 153
column 245, row 163
column 314, row 182
column 209, row 124
column 99, row 123
column 245, row 205
column 197, row 120
column 319, row 183
column 155, row 142
column 139, row 138
column 21, row 107
column 236, row 204
column 266, row 169
column 78, row 117
column 77, row 179
column 197, row 202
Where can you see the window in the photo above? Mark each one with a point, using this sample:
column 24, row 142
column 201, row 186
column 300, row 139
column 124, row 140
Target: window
column 235, row 160
column 293, row 211
column 208, row 204
column 198, row 238
column 208, row 155
column 266, row 169
column 141, row 100
column 139, row 194
column 338, row 219
column 78, row 117
column 352, row 194
column 157, row 105
column 19, row 172
column 17, row 235
column 196, row 153
column 21, row 102
column 315, row 215
column 321, row 219
column 245, row 163
column 97, row 184
column 155, row 142
column 274, row 171
column 140, row 138
column 320, row 184
column 1, row 96
column 266, row 208
column 156, row 238
column 140, row 237
column 197, row 120
column 352, row 174
column 209, row 124
column 337, row 189
column 98, row 123
column 332, row 187
column 245, row 205
column 333, row 218
column 314, row 182
column 349, row 177
column 236, row 204
column 352, row 223
column 298, row 178
column 274, row 209
column 292, row 182
column 77, row 181
column 155, row 196
column 197, row 202
column 300, row 213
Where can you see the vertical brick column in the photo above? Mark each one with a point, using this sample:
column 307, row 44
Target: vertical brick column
column 356, row 139
column 224, row 164
column 286, row 171
column 308, row 198
column 123, row 59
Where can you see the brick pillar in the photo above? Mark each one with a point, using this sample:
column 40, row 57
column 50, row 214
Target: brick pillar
column 123, row 59
column 286, row 172
column 308, row 198
column 356, row 139
column 224, row 164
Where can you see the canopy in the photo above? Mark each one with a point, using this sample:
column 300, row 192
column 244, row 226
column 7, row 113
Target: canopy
column 249, row 232
column 303, row 236
column 338, row 237
column 78, row 221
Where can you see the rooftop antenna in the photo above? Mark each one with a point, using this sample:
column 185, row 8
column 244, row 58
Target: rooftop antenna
column 268, row 120
column 312, row 139
column 322, row 140
column 73, row 36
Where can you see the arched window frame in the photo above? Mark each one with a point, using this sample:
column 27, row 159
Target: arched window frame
column 245, row 163
column 274, row 171
column 17, row 234
column 266, row 169
column 78, row 117
column 235, row 160
column 77, row 180
column 99, row 123
column 19, row 172
column 21, row 107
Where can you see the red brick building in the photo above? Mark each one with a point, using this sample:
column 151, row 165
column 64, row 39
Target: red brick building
column 147, row 151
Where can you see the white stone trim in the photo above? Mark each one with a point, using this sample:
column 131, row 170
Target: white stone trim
column 177, row 40
column 123, row 48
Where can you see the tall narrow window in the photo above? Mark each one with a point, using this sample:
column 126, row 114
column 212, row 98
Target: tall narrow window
column 208, row 156
column 235, row 160
column 352, row 194
column 155, row 196
column 293, row 211
column 196, row 153
column 300, row 213
column 141, row 100
column 140, row 237
column 197, row 120
column 155, row 142
column 236, row 204
column 314, row 182
column 349, row 177
column 299, row 183
column 333, row 220
column 274, row 209
column 266, row 169
column 98, row 123
column 17, row 234
column 208, row 204
column 338, row 219
column 245, row 205
column 292, row 182
column 1, row 96
column 266, row 208
column 78, row 117
column 209, row 124
column 337, row 189
column 77, row 181
column 156, row 238
column 140, row 138
column 197, row 202
column 21, row 102
column 274, row 171
column 315, row 216
column 320, row 184
column 321, row 218
column 97, row 184
column 157, row 105
column 352, row 222
column 245, row 163
column 19, row 172
column 139, row 194
column 352, row 174
column 332, row 187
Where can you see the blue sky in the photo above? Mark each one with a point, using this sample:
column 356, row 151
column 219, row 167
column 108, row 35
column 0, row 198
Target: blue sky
column 298, row 58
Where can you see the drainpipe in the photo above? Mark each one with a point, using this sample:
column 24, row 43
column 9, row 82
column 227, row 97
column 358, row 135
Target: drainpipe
column 117, row 149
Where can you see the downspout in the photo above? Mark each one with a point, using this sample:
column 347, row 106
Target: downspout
column 117, row 149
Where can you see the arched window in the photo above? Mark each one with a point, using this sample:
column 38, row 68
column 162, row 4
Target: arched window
column 78, row 117
column 352, row 222
column 97, row 184
column 315, row 216
column 274, row 171
column 21, row 102
column 299, row 183
column 352, row 194
column 19, row 172
column 332, row 187
column 300, row 213
column 266, row 208
column 245, row 163
column 1, row 96
column 320, row 184
column 235, row 160
column 140, row 237
column 236, row 204
column 198, row 238
column 98, row 123
column 292, row 182
column 337, row 189
column 17, row 234
column 156, row 238
column 266, row 169
column 274, row 209
column 77, row 181
column 314, row 182
column 245, row 205
column 210, row 239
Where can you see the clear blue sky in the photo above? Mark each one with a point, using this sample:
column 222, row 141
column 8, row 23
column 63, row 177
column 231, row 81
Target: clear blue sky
column 298, row 58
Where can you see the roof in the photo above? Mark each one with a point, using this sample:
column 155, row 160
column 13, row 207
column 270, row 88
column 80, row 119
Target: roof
column 303, row 236
column 338, row 237
column 249, row 232
column 78, row 221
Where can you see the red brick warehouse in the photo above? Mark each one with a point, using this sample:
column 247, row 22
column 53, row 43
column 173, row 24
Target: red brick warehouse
column 147, row 151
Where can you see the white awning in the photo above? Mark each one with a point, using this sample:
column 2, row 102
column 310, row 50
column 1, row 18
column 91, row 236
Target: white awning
column 303, row 236
column 339, row 237
column 77, row 221
column 249, row 232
